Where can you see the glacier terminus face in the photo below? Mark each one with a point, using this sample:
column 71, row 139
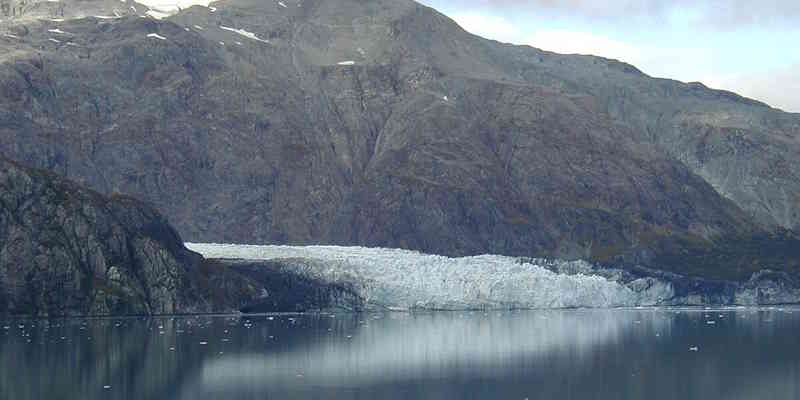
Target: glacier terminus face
column 405, row 280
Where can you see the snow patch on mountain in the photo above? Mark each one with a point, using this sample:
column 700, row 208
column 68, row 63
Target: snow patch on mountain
column 242, row 32
column 402, row 279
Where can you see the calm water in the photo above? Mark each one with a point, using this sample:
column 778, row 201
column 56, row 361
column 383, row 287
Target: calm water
column 572, row 354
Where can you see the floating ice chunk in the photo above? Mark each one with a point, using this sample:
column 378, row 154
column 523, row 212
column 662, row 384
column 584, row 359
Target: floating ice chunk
column 445, row 98
column 280, row 3
column 59, row 31
column 106, row 387
column 238, row 43
column 54, row 40
column 346, row 63
column 156, row 36
column 187, row 29
column 249, row 35
column 694, row 348
column 711, row 322
column 198, row 27
column 222, row 43
column 203, row 343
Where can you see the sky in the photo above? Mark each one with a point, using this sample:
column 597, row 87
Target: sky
column 748, row 47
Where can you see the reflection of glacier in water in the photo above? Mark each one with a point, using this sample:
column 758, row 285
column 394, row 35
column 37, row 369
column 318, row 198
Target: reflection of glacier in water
column 544, row 354
column 400, row 347
column 406, row 279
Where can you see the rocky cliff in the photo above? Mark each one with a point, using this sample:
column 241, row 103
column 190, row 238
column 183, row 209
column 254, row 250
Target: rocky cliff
column 384, row 123
column 66, row 250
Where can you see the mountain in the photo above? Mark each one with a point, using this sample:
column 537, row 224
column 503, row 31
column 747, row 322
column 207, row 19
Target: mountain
column 66, row 250
column 383, row 123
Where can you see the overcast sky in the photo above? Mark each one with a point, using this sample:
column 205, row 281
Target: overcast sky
column 749, row 47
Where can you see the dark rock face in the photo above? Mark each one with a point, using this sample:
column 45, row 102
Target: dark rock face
column 289, row 290
column 433, row 139
column 65, row 249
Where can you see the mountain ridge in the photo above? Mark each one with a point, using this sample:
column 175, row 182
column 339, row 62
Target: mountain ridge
column 242, row 125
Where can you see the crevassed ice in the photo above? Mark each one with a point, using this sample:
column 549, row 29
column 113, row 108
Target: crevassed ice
column 157, row 14
column 403, row 279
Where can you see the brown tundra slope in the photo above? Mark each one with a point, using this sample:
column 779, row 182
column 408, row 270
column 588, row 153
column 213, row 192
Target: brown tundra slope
column 383, row 123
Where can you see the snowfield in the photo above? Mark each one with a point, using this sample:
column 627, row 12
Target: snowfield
column 402, row 279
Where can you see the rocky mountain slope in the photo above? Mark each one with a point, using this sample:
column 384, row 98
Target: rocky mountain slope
column 384, row 123
column 65, row 250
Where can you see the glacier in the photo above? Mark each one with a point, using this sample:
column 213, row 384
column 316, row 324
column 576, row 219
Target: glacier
column 398, row 279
